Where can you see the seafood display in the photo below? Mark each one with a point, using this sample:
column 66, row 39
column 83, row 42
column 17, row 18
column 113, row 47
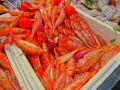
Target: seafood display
column 63, row 50
column 104, row 10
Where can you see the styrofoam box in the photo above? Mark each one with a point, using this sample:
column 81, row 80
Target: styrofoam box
column 107, row 32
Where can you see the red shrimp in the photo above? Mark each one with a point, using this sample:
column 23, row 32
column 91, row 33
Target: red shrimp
column 109, row 55
column 15, row 22
column 36, row 25
column 60, row 18
column 16, row 13
column 35, row 61
column 45, row 60
column 80, row 81
column 54, row 14
column 7, row 20
column 66, row 57
column 68, row 23
column 89, row 76
column 7, row 29
column 46, row 79
column 27, row 47
column 91, row 59
column 61, row 81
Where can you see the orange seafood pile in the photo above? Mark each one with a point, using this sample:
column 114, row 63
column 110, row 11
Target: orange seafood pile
column 62, row 49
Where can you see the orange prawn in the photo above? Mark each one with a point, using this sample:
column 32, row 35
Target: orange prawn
column 16, row 13
column 21, row 36
column 45, row 17
column 54, row 14
column 69, row 55
column 61, row 5
column 91, row 59
column 44, row 60
column 27, row 47
column 60, row 18
column 61, row 81
column 81, row 80
column 35, row 61
column 36, row 25
column 46, row 79
column 7, row 29
column 15, row 22
column 109, row 55
column 7, row 20
column 88, row 76
column 70, row 71
column 49, row 7
column 68, row 23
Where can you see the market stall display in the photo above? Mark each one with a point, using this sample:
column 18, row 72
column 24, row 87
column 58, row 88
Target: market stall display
column 62, row 48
